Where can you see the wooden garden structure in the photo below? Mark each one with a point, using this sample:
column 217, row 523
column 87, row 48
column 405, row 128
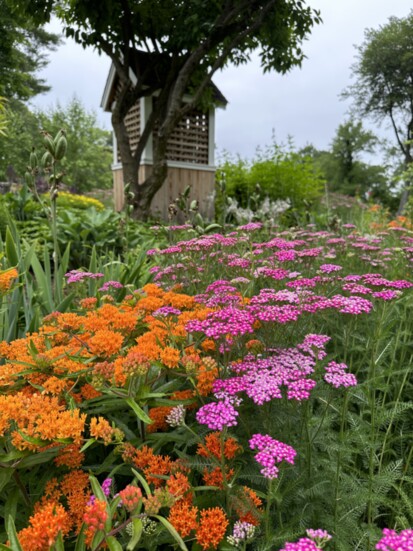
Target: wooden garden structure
column 190, row 152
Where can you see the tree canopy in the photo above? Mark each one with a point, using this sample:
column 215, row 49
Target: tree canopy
column 187, row 41
column 23, row 52
column 383, row 87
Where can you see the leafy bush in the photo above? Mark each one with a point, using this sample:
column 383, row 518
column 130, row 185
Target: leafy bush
column 275, row 174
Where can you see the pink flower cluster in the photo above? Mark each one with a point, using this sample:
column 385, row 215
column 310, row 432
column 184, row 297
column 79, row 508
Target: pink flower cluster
column 314, row 542
column 227, row 321
column 218, row 415
column 262, row 379
column 392, row 541
column 270, row 452
column 75, row 276
column 111, row 285
column 337, row 376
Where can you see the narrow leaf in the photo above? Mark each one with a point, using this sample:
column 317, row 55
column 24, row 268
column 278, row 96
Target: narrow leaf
column 137, row 533
column 172, row 531
column 139, row 411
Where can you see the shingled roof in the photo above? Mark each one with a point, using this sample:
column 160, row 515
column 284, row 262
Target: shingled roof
column 143, row 63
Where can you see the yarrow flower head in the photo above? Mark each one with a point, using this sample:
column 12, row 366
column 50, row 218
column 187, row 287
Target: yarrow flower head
column 337, row 376
column 166, row 311
column 176, row 417
column 271, row 451
column 218, row 415
column 111, row 285
column 392, row 541
column 74, row 276
column 243, row 532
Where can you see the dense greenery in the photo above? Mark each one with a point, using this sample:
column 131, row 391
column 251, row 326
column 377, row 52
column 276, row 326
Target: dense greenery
column 274, row 174
column 87, row 163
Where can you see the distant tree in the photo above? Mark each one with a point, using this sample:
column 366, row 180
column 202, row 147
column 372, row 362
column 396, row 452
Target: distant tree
column 383, row 87
column 89, row 154
column 352, row 176
column 187, row 42
column 23, row 53
column 89, row 148
column 23, row 133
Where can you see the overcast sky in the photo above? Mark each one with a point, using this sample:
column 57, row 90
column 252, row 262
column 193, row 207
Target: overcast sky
column 303, row 104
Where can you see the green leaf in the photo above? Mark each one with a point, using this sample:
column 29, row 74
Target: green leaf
column 5, row 548
column 44, row 283
column 12, row 534
column 172, row 531
column 5, row 476
column 143, row 482
column 62, row 306
column 113, row 544
column 88, row 444
column 97, row 489
column 10, row 507
column 11, row 456
column 80, row 540
column 139, row 411
column 59, row 545
column 137, row 533
column 11, row 249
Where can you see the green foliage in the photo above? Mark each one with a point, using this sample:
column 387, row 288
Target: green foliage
column 22, row 53
column 349, row 174
column 3, row 116
column 22, row 135
column 383, row 88
column 87, row 163
column 275, row 174
column 89, row 154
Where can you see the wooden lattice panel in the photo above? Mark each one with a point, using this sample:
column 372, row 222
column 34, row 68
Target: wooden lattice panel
column 132, row 122
column 189, row 141
column 133, row 126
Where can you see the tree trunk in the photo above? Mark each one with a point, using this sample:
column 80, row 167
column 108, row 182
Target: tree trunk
column 406, row 191
column 145, row 191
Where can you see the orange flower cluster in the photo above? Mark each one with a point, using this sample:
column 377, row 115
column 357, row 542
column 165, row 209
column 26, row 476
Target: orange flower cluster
column 153, row 465
column 401, row 222
column 130, row 496
column 38, row 420
column 101, row 429
column 178, row 485
column 183, row 518
column 212, row 527
column 44, row 527
column 248, row 506
column 6, row 279
column 70, row 456
column 215, row 477
column 206, row 375
column 216, row 445
column 95, row 515
column 67, row 340
column 76, row 357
